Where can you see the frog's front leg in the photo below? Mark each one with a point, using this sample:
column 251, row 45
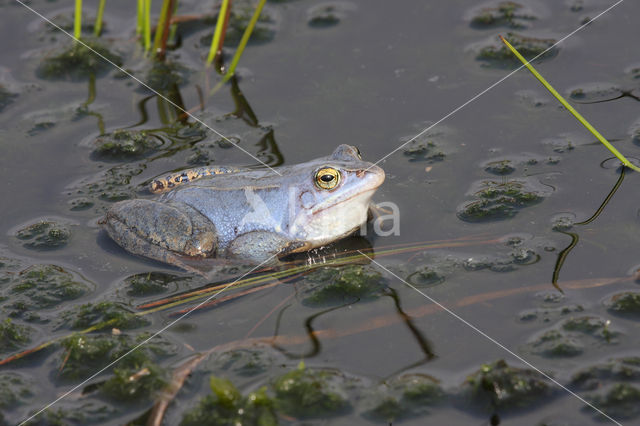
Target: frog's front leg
column 263, row 246
column 161, row 231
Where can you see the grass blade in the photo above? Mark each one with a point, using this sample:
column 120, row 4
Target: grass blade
column 162, row 28
column 77, row 21
column 147, row 24
column 241, row 46
column 217, row 35
column 140, row 21
column 97, row 28
column 572, row 110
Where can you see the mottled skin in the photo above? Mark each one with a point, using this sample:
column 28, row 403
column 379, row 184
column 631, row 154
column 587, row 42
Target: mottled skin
column 248, row 215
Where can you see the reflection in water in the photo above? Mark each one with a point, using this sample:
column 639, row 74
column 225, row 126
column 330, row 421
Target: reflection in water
column 562, row 256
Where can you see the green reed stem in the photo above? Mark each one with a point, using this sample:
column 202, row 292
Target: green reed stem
column 566, row 104
column 160, row 27
column 97, row 28
column 140, row 21
column 215, row 48
column 245, row 39
column 77, row 21
column 147, row 24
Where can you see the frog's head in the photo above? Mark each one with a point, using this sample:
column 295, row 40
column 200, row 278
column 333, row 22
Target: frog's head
column 333, row 196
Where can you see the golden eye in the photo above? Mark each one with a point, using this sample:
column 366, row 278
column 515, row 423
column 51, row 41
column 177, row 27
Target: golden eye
column 327, row 178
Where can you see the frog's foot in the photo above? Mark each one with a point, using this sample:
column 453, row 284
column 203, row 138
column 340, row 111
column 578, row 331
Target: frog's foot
column 161, row 231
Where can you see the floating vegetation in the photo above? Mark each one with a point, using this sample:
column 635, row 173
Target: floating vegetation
column 625, row 303
column 498, row 385
column 496, row 200
column 44, row 286
column 549, row 313
column 125, row 144
column 500, row 167
column 78, row 62
column 308, row 393
column 13, row 336
column 505, row 13
column 403, row 397
column 244, row 362
column 595, row 92
column 227, row 406
column 151, row 283
column 495, row 54
column 166, row 76
column 329, row 14
column 621, row 401
column 14, row 390
column 426, row 276
column 6, row 97
column 619, row 370
column 44, row 235
column 573, row 336
column 112, row 185
column 136, row 376
column 348, row 284
column 90, row 314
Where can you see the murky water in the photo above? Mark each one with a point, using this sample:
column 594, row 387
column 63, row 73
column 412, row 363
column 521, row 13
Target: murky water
column 495, row 203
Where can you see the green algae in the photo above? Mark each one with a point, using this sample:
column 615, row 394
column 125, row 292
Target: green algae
column 619, row 370
column 327, row 15
column 427, row 151
column 626, row 303
column 227, row 406
column 78, row 62
column 621, row 401
column 500, row 167
column 137, row 375
column 403, row 397
column 138, row 379
column 506, row 13
column 45, row 286
column 44, row 235
column 496, row 54
column 555, row 343
column 308, row 393
column 14, row 390
column 497, row 385
column 151, row 283
column 426, row 276
column 331, row 286
column 243, row 362
column 90, row 314
column 125, row 144
column 13, row 336
column 6, row 97
column 499, row 200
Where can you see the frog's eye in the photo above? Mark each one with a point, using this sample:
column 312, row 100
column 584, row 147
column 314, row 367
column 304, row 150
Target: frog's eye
column 327, row 178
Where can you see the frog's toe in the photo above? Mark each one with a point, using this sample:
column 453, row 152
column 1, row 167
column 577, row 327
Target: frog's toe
column 154, row 229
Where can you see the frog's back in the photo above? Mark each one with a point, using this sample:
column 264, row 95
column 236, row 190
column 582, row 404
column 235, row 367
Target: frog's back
column 237, row 203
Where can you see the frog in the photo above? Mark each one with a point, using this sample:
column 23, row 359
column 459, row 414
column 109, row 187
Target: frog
column 247, row 215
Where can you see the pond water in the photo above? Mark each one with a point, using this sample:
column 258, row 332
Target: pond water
column 504, row 218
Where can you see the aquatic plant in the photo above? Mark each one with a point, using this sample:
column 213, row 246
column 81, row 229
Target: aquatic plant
column 44, row 235
column 497, row 385
column 227, row 406
column 568, row 106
